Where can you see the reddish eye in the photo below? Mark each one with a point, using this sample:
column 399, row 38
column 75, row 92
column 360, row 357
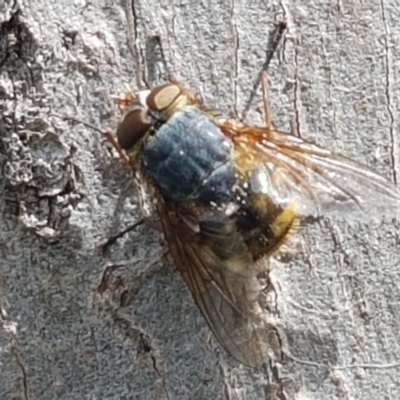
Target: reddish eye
column 162, row 97
column 132, row 128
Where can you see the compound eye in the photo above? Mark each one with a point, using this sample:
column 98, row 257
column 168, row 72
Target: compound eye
column 162, row 97
column 133, row 128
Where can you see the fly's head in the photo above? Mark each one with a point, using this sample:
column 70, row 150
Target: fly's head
column 144, row 113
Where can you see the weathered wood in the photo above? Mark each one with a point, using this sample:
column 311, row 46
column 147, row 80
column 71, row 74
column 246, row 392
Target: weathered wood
column 63, row 192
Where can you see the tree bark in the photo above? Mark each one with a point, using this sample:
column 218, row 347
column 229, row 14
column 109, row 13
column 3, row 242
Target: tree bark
column 64, row 191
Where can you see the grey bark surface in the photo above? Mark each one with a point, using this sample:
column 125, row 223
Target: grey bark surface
column 63, row 191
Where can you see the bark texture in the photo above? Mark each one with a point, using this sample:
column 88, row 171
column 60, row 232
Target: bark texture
column 63, row 191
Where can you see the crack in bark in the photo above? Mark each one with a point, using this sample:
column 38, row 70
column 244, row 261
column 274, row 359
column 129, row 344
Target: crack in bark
column 9, row 327
column 132, row 19
column 388, row 90
column 236, row 57
column 22, row 368
column 296, row 100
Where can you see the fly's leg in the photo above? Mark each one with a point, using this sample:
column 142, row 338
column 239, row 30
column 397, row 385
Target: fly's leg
column 149, row 221
column 275, row 38
column 267, row 109
column 112, row 239
column 109, row 136
column 145, row 205
column 273, row 43
column 122, row 280
column 156, row 54
column 124, row 158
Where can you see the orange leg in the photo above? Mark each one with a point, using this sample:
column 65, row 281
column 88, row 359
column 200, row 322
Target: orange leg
column 267, row 110
column 125, row 159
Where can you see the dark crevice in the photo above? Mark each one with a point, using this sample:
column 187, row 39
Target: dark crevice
column 23, row 46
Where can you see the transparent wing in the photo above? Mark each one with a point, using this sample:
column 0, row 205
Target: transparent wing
column 225, row 289
column 222, row 261
column 297, row 173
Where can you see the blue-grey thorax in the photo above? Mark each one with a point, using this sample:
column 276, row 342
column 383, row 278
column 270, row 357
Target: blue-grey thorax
column 189, row 158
